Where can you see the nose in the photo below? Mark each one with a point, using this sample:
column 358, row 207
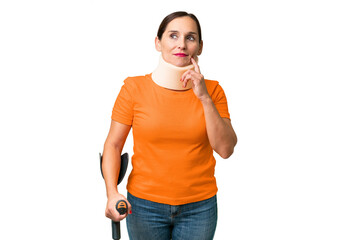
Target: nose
column 181, row 43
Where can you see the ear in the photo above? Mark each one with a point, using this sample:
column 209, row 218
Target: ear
column 200, row 48
column 157, row 44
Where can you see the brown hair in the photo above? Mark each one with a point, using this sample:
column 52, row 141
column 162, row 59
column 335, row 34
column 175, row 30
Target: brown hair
column 174, row 15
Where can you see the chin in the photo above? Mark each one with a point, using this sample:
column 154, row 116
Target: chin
column 182, row 62
column 178, row 61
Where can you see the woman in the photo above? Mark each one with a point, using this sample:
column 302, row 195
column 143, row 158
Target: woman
column 178, row 119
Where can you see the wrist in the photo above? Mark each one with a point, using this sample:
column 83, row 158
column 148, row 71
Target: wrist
column 112, row 193
column 205, row 99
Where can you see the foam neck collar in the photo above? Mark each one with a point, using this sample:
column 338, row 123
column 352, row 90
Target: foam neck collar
column 168, row 76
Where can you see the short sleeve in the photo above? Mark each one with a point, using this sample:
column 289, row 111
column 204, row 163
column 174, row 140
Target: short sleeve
column 123, row 108
column 220, row 101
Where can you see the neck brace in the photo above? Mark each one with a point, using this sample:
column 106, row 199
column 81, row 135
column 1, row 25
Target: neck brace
column 168, row 76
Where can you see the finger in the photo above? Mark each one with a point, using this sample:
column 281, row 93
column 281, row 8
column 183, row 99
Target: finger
column 184, row 84
column 112, row 214
column 107, row 213
column 187, row 79
column 184, row 75
column 117, row 217
column 129, row 207
column 197, row 68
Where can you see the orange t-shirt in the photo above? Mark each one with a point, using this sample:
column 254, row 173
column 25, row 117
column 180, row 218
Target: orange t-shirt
column 173, row 161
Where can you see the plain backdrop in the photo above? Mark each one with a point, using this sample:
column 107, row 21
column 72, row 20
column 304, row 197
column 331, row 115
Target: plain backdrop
column 290, row 70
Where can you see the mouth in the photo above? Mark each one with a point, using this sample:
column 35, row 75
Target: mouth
column 180, row 54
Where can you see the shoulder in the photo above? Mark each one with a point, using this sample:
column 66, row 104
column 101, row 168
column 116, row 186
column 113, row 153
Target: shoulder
column 136, row 82
column 213, row 87
column 211, row 83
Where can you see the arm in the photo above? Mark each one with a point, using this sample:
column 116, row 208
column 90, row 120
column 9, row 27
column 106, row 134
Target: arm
column 111, row 167
column 220, row 132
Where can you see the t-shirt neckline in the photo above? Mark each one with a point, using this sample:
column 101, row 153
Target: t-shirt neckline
column 169, row 92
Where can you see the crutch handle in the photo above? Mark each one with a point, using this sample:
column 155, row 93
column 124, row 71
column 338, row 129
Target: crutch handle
column 121, row 207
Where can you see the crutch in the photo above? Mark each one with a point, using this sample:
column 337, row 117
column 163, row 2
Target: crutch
column 121, row 205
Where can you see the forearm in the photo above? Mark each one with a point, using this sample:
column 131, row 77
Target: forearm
column 111, row 168
column 221, row 135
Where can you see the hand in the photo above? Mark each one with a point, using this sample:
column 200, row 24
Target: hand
column 111, row 211
column 198, row 82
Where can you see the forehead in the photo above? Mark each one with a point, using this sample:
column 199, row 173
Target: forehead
column 182, row 24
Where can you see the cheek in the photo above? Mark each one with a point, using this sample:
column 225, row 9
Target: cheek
column 169, row 46
column 194, row 48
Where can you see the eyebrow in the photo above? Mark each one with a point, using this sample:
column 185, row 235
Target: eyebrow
column 174, row 31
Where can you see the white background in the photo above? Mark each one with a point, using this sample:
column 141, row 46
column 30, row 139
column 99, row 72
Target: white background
column 290, row 70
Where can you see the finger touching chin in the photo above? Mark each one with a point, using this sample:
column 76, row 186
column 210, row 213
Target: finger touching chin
column 195, row 57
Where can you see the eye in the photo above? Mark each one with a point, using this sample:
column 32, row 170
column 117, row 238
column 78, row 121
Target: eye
column 191, row 38
column 173, row 36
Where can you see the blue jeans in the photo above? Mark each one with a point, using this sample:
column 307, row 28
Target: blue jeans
column 156, row 221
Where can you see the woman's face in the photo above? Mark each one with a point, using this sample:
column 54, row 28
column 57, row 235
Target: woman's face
column 180, row 42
